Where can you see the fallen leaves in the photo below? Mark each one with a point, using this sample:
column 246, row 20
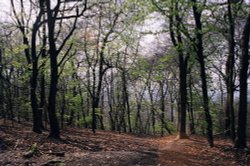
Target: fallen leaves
column 79, row 146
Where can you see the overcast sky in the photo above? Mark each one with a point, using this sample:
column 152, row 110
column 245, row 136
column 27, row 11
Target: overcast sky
column 4, row 5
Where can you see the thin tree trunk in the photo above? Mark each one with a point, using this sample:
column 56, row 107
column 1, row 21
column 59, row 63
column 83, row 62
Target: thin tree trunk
column 126, row 99
column 110, row 103
column 42, row 107
column 2, row 114
column 229, row 108
column 171, row 106
column 138, row 121
column 162, row 107
column 83, row 109
column 102, row 112
column 191, row 110
column 88, row 103
column 94, row 101
column 152, row 109
column 72, row 110
column 63, row 105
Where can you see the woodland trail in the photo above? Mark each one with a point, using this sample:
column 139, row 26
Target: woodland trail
column 80, row 147
column 195, row 152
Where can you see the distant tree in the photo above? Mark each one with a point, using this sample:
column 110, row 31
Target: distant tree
column 96, row 61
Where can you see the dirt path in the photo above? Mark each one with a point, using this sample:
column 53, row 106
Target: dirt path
column 195, row 152
column 80, row 147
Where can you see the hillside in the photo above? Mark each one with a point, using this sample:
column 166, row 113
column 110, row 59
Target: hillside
column 81, row 147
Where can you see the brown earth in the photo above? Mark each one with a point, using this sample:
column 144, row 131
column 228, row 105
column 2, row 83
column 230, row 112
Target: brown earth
column 82, row 147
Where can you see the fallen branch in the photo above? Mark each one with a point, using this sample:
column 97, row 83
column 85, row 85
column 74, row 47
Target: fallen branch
column 60, row 154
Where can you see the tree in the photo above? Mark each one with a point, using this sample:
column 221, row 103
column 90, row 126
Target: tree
column 32, row 57
column 241, row 141
column 175, row 31
column 53, row 15
column 229, row 107
column 200, row 56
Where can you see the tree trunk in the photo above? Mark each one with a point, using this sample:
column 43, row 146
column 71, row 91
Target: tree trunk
column 63, row 105
column 37, row 123
column 42, row 97
column 200, row 56
column 102, row 111
column 88, row 102
column 229, row 108
column 95, row 103
column 241, row 141
column 126, row 99
column 34, row 104
column 110, row 90
column 83, row 108
column 191, row 110
column 54, row 132
column 162, row 107
column 1, row 85
column 171, row 106
column 37, row 115
column 152, row 109
column 183, row 95
column 72, row 110
column 183, row 60
column 138, row 120
column 54, row 126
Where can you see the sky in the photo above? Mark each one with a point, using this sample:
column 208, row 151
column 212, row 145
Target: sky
column 4, row 9
column 4, row 5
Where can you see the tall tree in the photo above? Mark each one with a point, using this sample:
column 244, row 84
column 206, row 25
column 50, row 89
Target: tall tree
column 175, row 22
column 177, row 41
column 31, row 56
column 241, row 141
column 229, row 107
column 44, row 53
column 197, row 12
column 53, row 15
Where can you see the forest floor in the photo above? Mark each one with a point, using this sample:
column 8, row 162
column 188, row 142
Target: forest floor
column 82, row 147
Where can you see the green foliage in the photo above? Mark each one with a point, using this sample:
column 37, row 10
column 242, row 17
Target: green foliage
column 217, row 116
column 17, row 50
column 32, row 151
column 82, row 122
column 34, row 148
column 171, row 126
column 88, row 120
column 98, row 111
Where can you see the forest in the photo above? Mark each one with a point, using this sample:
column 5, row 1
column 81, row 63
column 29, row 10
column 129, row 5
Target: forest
column 124, row 82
